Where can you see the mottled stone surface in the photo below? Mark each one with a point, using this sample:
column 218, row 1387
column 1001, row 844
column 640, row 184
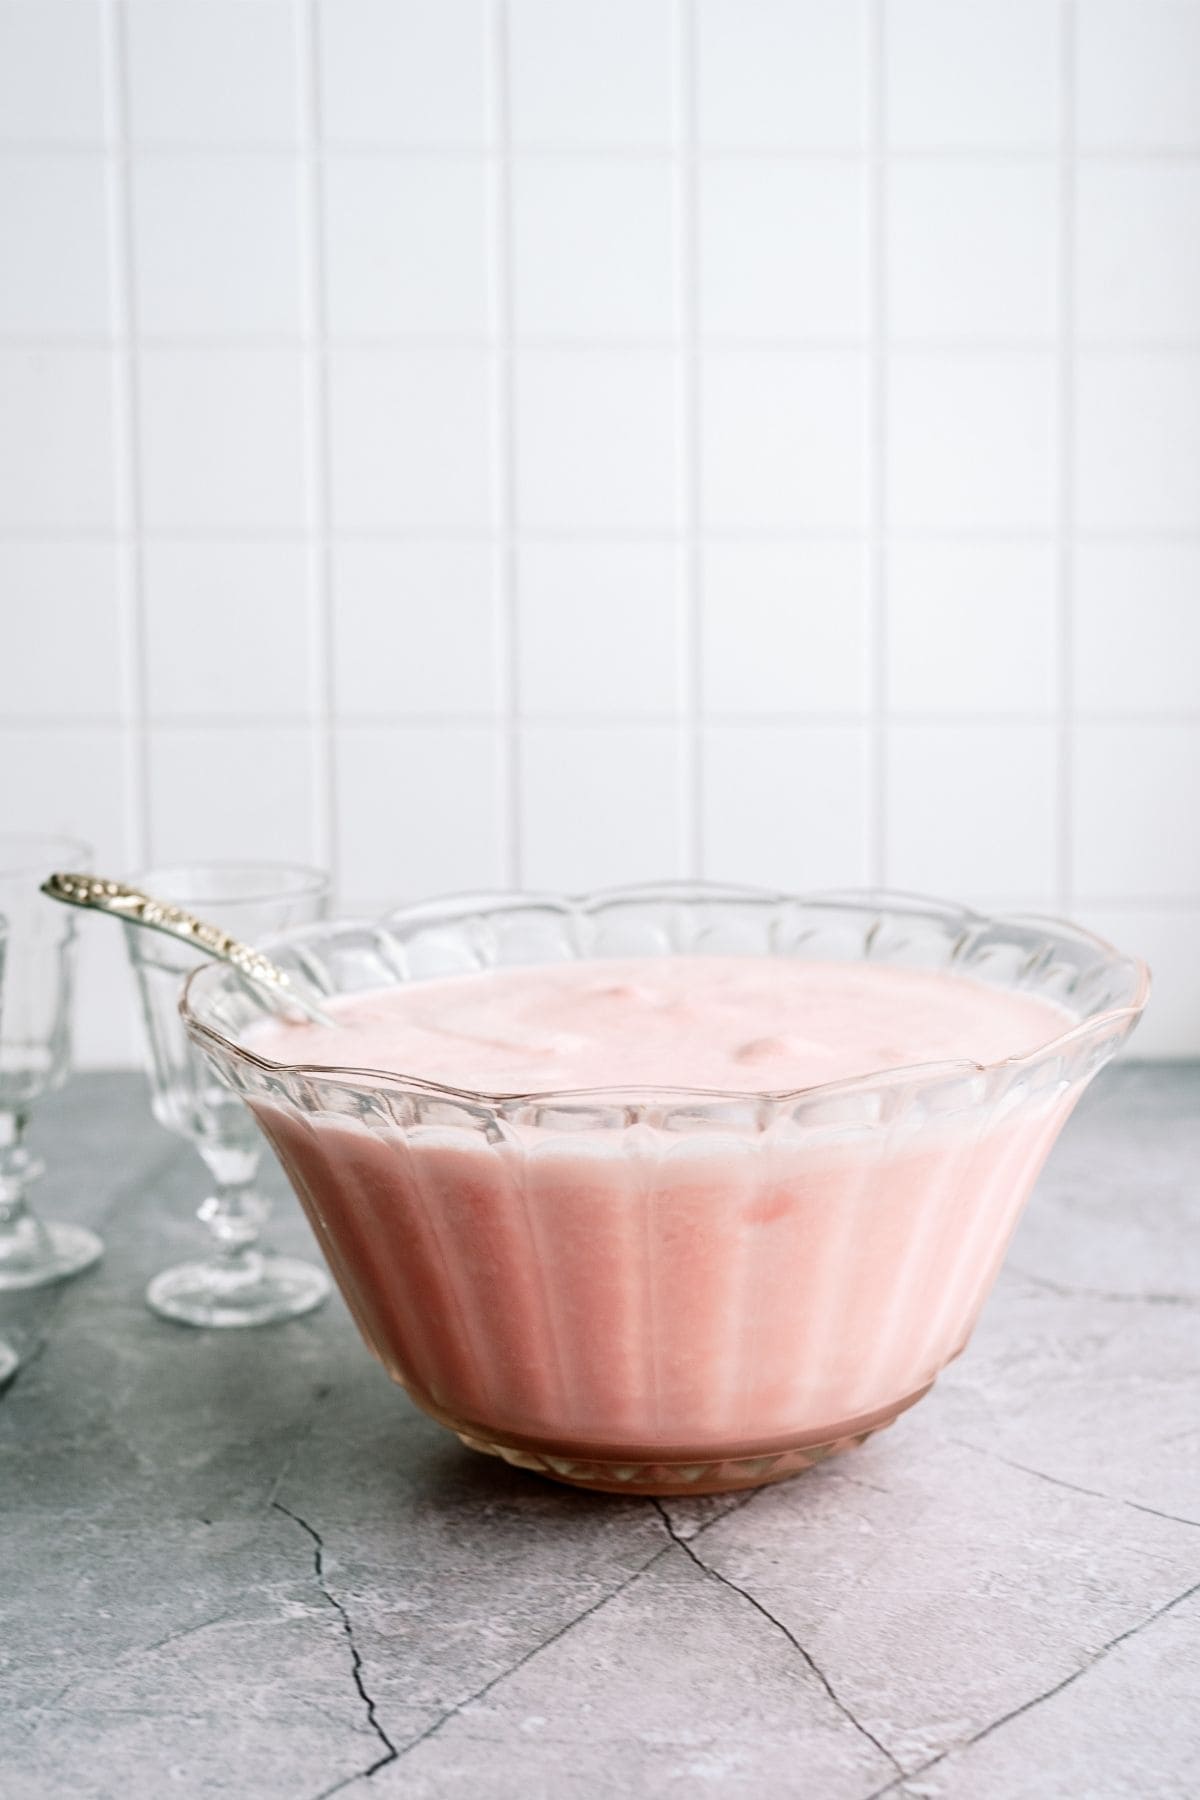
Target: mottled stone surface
column 242, row 1564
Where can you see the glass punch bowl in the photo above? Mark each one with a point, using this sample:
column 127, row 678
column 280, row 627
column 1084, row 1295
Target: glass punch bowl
column 660, row 1290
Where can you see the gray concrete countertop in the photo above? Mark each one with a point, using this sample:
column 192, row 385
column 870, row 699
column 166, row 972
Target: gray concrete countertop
column 242, row 1564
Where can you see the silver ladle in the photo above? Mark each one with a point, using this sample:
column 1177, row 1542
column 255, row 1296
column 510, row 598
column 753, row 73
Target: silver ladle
column 98, row 894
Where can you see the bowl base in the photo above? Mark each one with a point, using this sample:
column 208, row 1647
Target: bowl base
column 676, row 1475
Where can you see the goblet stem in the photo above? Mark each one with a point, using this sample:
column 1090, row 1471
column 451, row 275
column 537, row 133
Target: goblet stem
column 235, row 1213
column 17, row 1169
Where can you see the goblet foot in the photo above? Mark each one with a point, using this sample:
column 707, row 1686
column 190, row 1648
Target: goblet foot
column 38, row 1252
column 207, row 1293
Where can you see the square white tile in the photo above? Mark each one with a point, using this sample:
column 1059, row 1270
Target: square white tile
column 213, row 71
column 222, row 439
column 253, row 656
column 1166, row 938
column 1138, row 441
column 1138, row 74
column 54, row 228
column 403, row 74
column 71, row 783
column 786, row 806
column 599, row 630
column 216, row 244
column 971, row 441
column 411, row 439
column 52, row 72
column 231, row 794
column 783, row 439
column 971, row 811
column 63, row 651
column 419, row 811
column 593, row 246
column 600, row 805
column 415, row 631
column 596, row 441
column 406, row 245
column 585, row 74
column 790, row 76
column 971, row 249
column 1138, row 250
column 1134, row 812
column 782, row 248
column 972, row 628
column 56, row 440
column 1137, row 627
column 971, row 77
column 784, row 628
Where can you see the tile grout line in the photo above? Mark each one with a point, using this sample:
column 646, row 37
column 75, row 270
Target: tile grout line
column 506, row 570
column 766, row 345
column 800, row 720
column 876, row 427
column 1064, row 551
column 1135, row 536
column 687, row 275
column 128, row 445
column 319, row 538
column 371, row 149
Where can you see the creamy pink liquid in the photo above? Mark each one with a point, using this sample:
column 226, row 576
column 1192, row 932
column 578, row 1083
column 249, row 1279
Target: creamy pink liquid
column 691, row 1290
column 750, row 1023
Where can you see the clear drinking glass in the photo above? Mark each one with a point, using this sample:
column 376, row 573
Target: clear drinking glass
column 239, row 1283
column 35, row 1052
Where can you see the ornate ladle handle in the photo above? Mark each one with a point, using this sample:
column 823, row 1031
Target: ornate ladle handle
column 98, row 894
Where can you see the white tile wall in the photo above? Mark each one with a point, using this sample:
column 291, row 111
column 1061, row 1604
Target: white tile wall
column 593, row 247
column 983, row 76
column 596, row 440
column 409, row 439
column 469, row 442
column 406, row 245
column 971, row 440
column 783, row 439
column 221, row 439
column 216, row 246
column 783, row 248
column 394, row 75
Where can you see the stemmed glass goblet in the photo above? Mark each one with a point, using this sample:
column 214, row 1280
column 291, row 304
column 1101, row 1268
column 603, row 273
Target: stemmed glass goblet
column 239, row 1283
column 35, row 1053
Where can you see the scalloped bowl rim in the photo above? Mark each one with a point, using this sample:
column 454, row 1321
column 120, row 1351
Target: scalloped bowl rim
column 516, row 900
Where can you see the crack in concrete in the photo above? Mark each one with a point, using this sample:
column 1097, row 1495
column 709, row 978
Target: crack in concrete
column 1083, row 1293
column 320, row 1396
column 810, row 1662
column 135, row 1650
column 527, row 1656
column 555, row 1637
column 1027, row 1706
column 356, row 1662
column 742, row 1501
column 183, row 1631
column 1072, row 1487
